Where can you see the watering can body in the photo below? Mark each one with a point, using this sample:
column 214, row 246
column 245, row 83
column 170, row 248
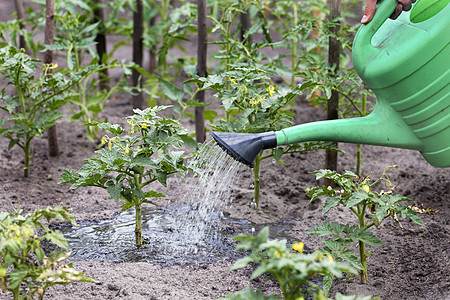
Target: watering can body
column 406, row 63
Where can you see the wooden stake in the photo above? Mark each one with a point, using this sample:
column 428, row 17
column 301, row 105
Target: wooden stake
column 101, row 44
column 152, row 51
column 20, row 18
column 138, row 29
column 52, row 135
column 200, row 132
column 334, row 51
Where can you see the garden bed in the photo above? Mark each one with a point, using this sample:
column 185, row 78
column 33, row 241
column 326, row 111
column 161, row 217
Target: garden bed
column 414, row 263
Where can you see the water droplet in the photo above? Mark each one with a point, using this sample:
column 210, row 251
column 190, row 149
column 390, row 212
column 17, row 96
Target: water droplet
column 274, row 161
column 252, row 185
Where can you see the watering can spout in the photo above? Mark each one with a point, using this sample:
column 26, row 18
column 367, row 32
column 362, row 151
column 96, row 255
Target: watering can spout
column 244, row 147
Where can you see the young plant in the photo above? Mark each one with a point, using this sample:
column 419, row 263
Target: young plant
column 252, row 104
column 294, row 271
column 131, row 161
column 25, row 268
column 75, row 38
column 369, row 207
column 33, row 108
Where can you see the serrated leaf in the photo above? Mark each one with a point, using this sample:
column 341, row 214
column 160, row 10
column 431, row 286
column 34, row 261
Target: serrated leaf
column 356, row 198
column 153, row 194
column 115, row 129
column 242, row 263
column 172, row 92
column 361, row 234
column 261, row 269
column 143, row 161
column 316, row 192
column 114, row 190
column 57, row 238
column 327, row 283
column 413, row 216
column 350, row 257
column 277, row 153
column 330, row 203
column 332, row 245
column 16, row 276
column 68, row 176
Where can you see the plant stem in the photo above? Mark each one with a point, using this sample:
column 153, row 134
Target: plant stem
column 26, row 149
column 257, row 181
column 138, row 228
column 362, row 247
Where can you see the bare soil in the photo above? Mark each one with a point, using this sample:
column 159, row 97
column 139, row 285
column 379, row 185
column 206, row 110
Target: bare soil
column 413, row 264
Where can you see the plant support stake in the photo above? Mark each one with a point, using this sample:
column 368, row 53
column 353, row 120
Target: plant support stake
column 52, row 134
column 100, row 39
column 334, row 52
column 20, row 18
column 138, row 29
column 200, row 134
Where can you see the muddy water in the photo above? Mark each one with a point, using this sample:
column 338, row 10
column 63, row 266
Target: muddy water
column 165, row 242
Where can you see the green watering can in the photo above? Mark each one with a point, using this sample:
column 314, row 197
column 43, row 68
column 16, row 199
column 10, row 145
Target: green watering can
column 406, row 63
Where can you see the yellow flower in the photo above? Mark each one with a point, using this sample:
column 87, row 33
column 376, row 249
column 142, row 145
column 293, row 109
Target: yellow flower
column 271, row 90
column 53, row 66
column 232, row 80
column 298, row 247
column 144, row 125
column 104, row 140
column 109, row 145
column 277, row 253
column 330, row 258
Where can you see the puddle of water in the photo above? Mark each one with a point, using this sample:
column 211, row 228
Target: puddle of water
column 165, row 242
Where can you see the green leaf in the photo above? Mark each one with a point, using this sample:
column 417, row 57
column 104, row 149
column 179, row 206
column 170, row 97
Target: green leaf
column 114, row 190
column 356, row 198
column 213, row 81
column 350, row 257
column 126, row 205
column 188, row 141
column 115, row 129
column 172, row 92
column 242, row 263
column 330, row 203
column 16, row 276
column 57, row 238
column 361, row 234
column 68, row 176
column 316, row 192
column 261, row 269
column 327, row 283
column 153, row 194
column 277, row 153
column 143, row 161
column 413, row 216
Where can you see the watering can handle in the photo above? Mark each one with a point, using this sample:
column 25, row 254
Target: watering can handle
column 362, row 43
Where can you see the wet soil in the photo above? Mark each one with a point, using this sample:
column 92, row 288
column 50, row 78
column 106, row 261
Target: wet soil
column 413, row 264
